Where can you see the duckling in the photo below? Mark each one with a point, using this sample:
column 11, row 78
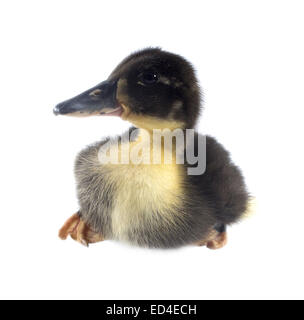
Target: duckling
column 152, row 205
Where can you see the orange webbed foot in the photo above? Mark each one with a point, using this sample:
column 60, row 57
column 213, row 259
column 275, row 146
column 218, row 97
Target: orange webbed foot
column 79, row 231
column 218, row 242
column 215, row 240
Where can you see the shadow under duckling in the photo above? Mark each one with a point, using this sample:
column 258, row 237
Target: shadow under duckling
column 152, row 205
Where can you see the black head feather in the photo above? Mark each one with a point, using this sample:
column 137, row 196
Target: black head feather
column 156, row 83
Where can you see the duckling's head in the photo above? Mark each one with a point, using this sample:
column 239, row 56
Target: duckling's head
column 151, row 88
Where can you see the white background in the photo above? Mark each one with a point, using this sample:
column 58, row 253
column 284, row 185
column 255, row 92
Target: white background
column 249, row 58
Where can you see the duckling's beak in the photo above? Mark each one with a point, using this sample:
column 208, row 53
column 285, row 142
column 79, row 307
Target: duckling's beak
column 100, row 100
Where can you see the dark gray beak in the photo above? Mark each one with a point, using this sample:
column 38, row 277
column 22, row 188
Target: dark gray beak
column 98, row 100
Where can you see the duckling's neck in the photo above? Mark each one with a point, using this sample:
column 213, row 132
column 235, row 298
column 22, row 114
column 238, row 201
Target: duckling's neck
column 151, row 123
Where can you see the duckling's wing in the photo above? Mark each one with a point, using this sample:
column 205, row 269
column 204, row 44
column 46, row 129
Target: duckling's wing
column 223, row 183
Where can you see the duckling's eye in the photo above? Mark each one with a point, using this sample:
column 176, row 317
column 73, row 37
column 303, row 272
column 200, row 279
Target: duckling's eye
column 149, row 77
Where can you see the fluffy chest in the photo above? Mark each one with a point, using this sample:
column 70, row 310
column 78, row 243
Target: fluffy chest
column 143, row 195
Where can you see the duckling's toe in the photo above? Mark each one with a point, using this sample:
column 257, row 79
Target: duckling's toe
column 69, row 226
column 85, row 235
